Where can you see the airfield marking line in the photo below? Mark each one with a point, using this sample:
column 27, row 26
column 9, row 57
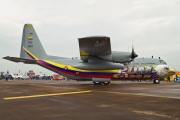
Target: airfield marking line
column 140, row 94
column 45, row 95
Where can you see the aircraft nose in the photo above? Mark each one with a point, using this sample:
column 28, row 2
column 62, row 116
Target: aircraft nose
column 165, row 71
column 170, row 72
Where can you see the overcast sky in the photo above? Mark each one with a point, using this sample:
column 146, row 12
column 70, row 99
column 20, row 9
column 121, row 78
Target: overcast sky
column 153, row 25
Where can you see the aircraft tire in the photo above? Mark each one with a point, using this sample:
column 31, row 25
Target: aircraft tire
column 106, row 83
column 97, row 83
column 156, row 81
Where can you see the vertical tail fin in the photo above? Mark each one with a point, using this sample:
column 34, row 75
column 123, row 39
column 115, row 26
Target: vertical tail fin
column 31, row 47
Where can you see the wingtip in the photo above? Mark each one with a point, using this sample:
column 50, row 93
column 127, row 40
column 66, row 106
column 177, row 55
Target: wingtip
column 5, row 57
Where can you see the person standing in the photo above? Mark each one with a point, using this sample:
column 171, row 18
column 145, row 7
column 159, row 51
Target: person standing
column 177, row 78
column 7, row 76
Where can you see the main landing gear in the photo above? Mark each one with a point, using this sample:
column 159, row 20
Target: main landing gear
column 156, row 81
column 101, row 83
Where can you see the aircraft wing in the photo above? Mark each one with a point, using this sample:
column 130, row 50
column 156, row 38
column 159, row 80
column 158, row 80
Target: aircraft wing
column 94, row 46
column 25, row 61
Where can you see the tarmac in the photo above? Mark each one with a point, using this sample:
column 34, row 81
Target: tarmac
column 72, row 100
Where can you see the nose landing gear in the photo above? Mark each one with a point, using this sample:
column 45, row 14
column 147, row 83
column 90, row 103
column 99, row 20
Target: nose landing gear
column 156, row 81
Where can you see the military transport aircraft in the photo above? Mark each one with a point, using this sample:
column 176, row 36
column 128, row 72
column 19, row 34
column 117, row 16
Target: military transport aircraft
column 98, row 63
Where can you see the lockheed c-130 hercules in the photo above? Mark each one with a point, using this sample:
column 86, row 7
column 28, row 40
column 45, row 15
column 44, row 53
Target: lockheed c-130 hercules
column 97, row 64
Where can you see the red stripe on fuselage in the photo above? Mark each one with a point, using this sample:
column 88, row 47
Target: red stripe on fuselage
column 70, row 72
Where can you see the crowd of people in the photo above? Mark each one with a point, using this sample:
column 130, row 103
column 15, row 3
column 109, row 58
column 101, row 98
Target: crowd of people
column 8, row 77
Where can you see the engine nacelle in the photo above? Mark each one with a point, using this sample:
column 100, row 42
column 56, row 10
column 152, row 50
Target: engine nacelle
column 118, row 57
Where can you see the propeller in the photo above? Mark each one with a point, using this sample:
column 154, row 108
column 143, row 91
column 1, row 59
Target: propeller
column 133, row 54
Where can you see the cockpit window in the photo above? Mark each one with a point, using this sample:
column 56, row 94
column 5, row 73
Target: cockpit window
column 162, row 62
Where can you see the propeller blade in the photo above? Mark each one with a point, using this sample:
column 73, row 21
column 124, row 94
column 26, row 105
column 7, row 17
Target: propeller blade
column 133, row 54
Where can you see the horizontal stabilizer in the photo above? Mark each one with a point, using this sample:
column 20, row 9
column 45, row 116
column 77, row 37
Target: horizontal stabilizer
column 25, row 61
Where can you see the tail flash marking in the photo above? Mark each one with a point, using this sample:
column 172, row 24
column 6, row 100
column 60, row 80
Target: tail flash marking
column 30, row 38
column 28, row 26
column 30, row 54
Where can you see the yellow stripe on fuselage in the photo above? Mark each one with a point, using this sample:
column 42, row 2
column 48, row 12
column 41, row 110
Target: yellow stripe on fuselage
column 78, row 70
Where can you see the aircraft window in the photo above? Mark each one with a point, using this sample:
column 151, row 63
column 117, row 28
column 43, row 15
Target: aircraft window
column 162, row 62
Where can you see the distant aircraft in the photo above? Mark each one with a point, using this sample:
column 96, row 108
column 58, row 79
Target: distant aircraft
column 16, row 76
column 98, row 63
column 19, row 77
